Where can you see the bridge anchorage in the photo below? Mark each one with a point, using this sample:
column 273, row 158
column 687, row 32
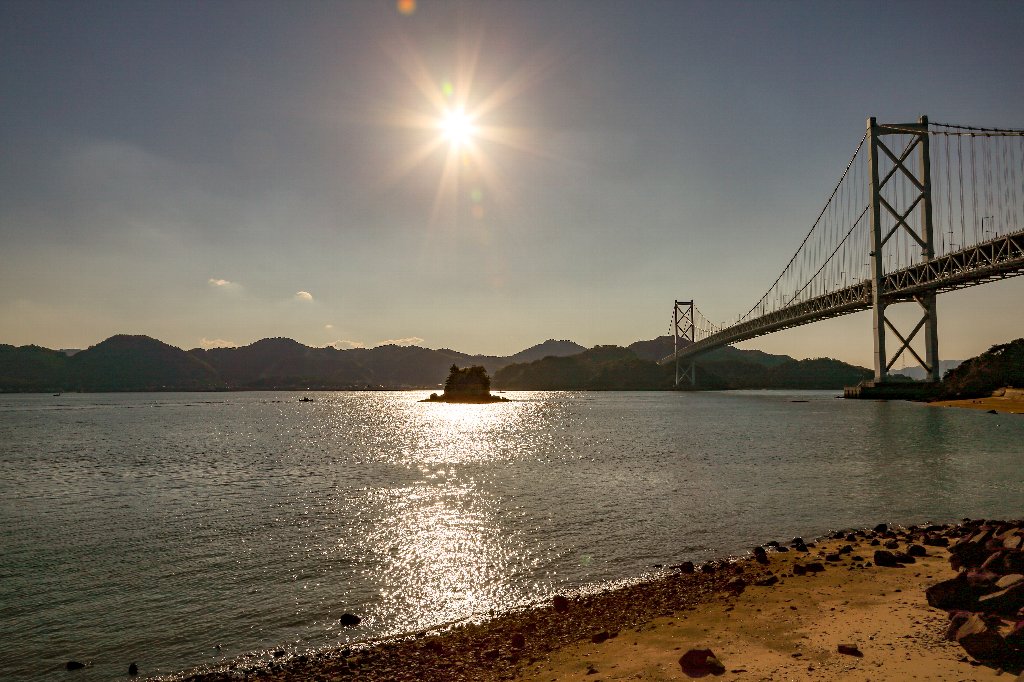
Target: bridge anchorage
column 921, row 208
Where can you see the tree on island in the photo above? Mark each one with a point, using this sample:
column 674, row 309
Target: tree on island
column 467, row 381
column 467, row 385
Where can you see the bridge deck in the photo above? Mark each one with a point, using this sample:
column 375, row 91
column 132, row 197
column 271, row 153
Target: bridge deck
column 997, row 258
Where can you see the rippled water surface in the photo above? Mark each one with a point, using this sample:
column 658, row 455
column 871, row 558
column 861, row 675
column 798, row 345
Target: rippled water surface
column 154, row 527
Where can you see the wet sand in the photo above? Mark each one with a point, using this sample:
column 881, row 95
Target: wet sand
column 787, row 631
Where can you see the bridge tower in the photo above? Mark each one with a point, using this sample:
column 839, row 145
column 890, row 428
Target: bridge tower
column 919, row 188
column 685, row 329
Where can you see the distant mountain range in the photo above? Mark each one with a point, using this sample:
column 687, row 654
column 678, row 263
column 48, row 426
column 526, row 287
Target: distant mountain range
column 141, row 363
column 918, row 373
column 635, row 368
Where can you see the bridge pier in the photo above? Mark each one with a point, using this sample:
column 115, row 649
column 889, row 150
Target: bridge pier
column 684, row 330
column 919, row 187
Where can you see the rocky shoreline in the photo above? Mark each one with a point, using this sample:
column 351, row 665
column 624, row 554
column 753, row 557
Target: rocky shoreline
column 568, row 636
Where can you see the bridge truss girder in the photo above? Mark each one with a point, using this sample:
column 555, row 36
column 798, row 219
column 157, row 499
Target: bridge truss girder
column 998, row 258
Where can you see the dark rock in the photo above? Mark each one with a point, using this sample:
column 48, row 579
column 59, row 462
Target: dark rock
column 891, row 544
column 956, row 593
column 993, row 562
column 850, row 537
column 833, row 557
column 917, row 550
column 838, row 535
column 685, row 567
column 760, row 555
column 599, row 637
column 983, row 581
column 846, row 549
column 701, row 662
column 815, row 567
column 708, row 567
column 874, row 542
column 1015, row 638
column 133, row 669
column 1006, row 601
column 799, row 569
column 737, row 585
column 1009, row 580
column 560, row 603
column 956, row 619
column 904, row 558
column 850, row 650
column 279, row 653
column 881, row 528
column 932, row 541
column 969, row 550
column 491, row 654
column 74, row 665
column 772, row 543
column 780, row 548
column 767, row 582
column 349, row 620
column 981, row 641
column 1013, row 562
column 517, row 641
column 885, row 558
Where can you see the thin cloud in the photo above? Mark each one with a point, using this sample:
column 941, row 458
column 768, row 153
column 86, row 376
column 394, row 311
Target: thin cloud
column 345, row 344
column 216, row 343
column 408, row 341
column 328, row 326
column 303, row 296
column 221, row 282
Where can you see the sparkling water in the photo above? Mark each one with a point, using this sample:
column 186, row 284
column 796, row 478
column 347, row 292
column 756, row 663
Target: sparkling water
column 185, row 529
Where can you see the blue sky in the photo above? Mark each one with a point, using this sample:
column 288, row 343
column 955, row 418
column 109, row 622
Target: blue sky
column 224, row 172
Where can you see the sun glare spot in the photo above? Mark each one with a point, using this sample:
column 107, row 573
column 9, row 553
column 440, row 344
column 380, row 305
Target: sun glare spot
column 457, row 127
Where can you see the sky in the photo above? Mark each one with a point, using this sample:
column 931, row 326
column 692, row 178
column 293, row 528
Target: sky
column 211, row 174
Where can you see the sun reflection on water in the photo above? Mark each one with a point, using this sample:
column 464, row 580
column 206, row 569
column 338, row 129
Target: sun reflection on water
column 445, row 544
column 445, row 554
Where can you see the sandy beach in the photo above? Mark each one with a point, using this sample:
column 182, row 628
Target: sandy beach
column 782, row 618
column 1003, row 404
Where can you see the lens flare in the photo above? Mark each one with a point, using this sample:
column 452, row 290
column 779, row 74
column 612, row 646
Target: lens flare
column 457, row 127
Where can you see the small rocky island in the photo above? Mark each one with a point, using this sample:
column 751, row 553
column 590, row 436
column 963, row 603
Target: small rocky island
column 466, row 385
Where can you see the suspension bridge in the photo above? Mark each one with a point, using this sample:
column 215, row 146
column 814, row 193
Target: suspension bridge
column 921, row 208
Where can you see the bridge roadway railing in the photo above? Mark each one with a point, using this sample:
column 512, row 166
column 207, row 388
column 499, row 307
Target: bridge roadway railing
column 996, row 258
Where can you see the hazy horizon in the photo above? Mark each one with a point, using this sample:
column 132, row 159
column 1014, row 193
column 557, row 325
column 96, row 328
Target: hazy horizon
column 212, row 174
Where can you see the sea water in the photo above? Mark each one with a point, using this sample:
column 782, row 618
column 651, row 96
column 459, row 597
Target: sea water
column 187, row 529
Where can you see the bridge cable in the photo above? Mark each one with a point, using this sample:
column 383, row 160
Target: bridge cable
column 847, row 170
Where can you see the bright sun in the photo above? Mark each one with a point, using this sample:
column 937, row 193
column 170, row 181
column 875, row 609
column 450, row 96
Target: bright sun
column 457, row 127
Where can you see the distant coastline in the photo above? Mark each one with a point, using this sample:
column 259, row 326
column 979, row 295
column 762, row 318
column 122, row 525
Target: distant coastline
column 134, row 363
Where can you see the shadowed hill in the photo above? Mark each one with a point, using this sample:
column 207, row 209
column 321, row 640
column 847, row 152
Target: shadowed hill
column 281, row 363
column 138, row 363
column 615, row 368
column 1000, row 366
column 600, row 368
column 31, row 368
